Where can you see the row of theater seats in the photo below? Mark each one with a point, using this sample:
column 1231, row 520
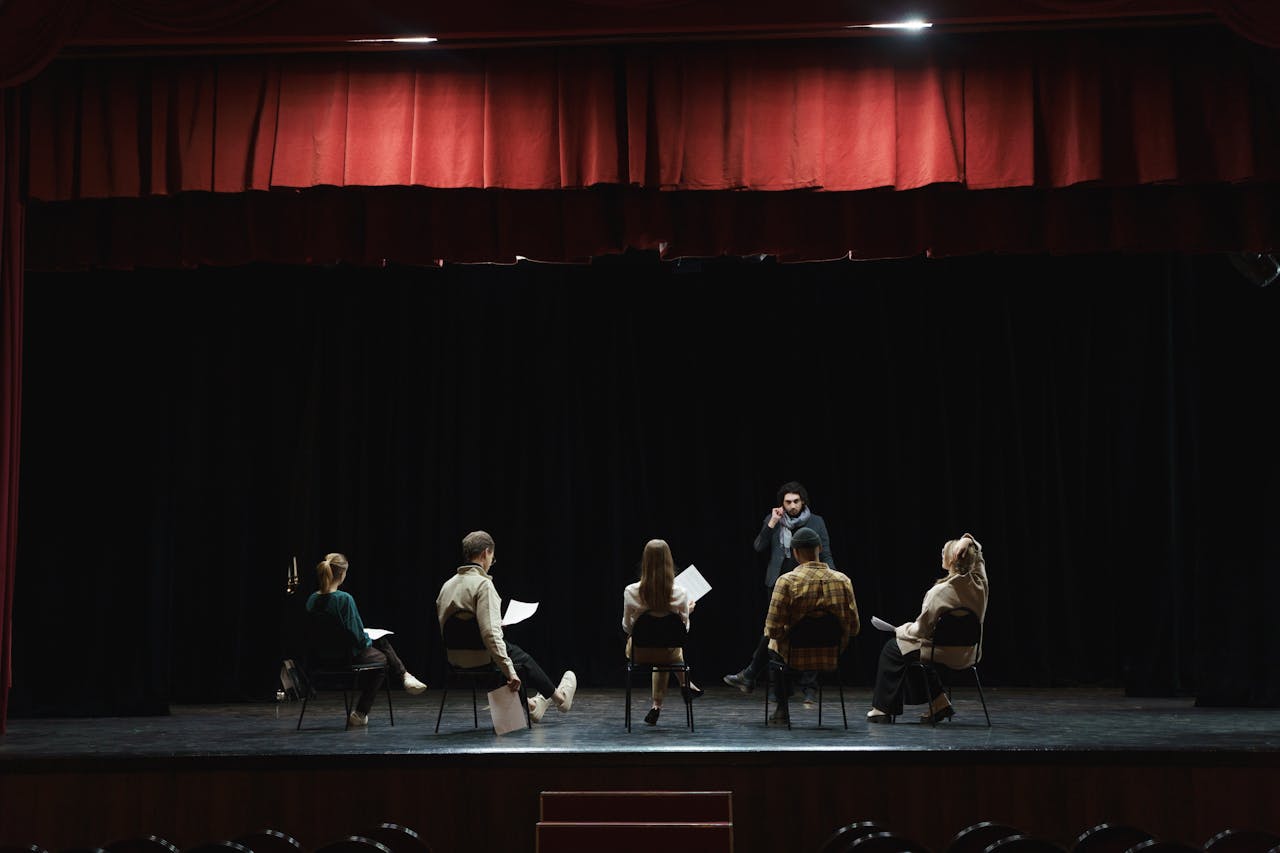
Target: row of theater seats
column 383, row 838
column 993, row 837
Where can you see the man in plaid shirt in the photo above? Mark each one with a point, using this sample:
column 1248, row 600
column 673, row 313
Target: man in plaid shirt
column 809, row 588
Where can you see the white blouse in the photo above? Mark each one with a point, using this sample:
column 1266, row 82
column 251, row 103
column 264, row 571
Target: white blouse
column 632, row 607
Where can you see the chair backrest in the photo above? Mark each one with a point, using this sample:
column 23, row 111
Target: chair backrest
column 461, row 632
column 958, row 627
column 1156, row 845
column 979, row 836
column 142, row 844
column 328, row 641
column 1242, row 841
column 1110, row 838
column 815, row 631
column 884, row 842
column 658, row 632
column 1025, row 844
column 270, row 841
column 845, row 835
column 396, row 838
column 353, row 844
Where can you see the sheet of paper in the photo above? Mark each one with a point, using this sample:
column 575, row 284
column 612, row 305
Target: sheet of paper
column 504, row 708
column 693, row 582
column 375, row 633
column 877, row 622
column 518, row 611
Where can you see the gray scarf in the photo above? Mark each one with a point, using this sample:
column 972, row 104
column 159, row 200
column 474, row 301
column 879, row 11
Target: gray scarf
column 789, row 524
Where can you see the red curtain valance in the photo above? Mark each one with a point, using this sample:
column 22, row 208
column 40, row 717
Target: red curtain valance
column 1045, row 110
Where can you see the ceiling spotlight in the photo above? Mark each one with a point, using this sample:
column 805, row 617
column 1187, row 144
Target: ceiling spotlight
column 916, row 24
column 408, row 40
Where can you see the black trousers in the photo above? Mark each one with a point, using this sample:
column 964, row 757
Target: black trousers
column 529, row 671
column 806, row 680
column 893, row 687
column 371, row 682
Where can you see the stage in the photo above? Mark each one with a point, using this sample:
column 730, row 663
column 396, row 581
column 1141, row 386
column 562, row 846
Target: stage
column 1053, row 763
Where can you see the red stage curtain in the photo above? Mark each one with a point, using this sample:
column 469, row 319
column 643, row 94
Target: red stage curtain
column 11, row 271
column 1044, row 110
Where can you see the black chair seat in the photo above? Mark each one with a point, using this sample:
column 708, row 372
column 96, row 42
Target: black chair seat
column 815, row 631
column 959, row 628
column 463, row 634
column 658, row 633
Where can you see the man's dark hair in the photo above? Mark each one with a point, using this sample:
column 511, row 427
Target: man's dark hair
column 793, row 486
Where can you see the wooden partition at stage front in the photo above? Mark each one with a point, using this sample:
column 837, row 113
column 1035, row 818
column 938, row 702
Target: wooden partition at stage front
column 782, row 801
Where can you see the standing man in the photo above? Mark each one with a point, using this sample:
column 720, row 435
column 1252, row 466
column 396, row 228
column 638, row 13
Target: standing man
column 471, row 593
column 811, row 588
column 791, row 514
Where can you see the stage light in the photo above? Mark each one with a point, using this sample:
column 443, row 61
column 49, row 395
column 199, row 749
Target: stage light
column 406, row 40
column 913, row 25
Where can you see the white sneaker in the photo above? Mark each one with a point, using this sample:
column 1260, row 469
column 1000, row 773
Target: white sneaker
column 413, row 685
column 537, row 707
column 356, row 719
column 563, row 697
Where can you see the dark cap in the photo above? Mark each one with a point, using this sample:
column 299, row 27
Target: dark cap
column 805, row 537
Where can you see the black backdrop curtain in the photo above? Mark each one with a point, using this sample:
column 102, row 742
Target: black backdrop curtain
column 1095, row 420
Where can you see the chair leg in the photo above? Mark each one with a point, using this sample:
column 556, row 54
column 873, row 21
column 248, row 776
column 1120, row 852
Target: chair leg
column 688, row 696
column 386, row 682
column 444, row 692
column 305, row 697
column 627, row 714
column 978, row 682
column 840, row 685
column 524, row 705
column 475, row 709
column 819, row 701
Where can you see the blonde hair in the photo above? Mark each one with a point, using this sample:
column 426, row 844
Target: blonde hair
column 963, row 556
column 330, row 571
column 657, row 575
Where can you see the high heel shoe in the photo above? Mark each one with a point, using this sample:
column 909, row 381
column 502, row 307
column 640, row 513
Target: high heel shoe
column 938, row 716
column 879, row 718
column 651, row 718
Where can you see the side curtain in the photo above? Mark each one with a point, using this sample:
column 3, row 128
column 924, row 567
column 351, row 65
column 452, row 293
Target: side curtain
column 11, row 271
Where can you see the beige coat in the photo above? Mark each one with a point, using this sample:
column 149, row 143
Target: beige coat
column 968, row 590
column 471, row 590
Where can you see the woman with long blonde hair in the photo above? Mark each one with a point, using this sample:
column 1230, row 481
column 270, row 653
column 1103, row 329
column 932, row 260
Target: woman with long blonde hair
column 657, row 592
column 963, row 584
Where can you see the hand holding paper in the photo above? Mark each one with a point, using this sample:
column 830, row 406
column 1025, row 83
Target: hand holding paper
column 877, row 622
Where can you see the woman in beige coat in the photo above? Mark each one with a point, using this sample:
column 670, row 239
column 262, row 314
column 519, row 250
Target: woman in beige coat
column 963, row 585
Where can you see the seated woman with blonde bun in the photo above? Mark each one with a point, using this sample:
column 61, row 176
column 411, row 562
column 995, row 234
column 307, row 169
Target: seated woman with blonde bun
column 964, row 584
column 330, row 573
column 657, row 592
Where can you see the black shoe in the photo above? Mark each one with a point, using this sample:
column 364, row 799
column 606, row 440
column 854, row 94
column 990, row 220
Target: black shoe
column 740, row 681
column 938, row 716
column 651, row 718
column 880, row 718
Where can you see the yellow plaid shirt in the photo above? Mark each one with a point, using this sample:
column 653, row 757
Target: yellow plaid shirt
column 810, row 588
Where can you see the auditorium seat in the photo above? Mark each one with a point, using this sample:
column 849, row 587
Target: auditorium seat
column 1157, row 845
column 352, row 844
column 221, row 846
column 840, row 840
column 1023, row 843
column 1110, row 838
column 977, row 837
column 1242, row 841
column 270, row 841
column 885, row 842
column 142, row 844
column 396, row 838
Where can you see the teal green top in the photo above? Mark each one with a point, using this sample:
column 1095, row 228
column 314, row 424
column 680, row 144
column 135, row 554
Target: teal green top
column 342, row 606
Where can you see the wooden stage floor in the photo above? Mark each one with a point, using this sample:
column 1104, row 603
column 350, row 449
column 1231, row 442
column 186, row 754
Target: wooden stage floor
column 1053, row 763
